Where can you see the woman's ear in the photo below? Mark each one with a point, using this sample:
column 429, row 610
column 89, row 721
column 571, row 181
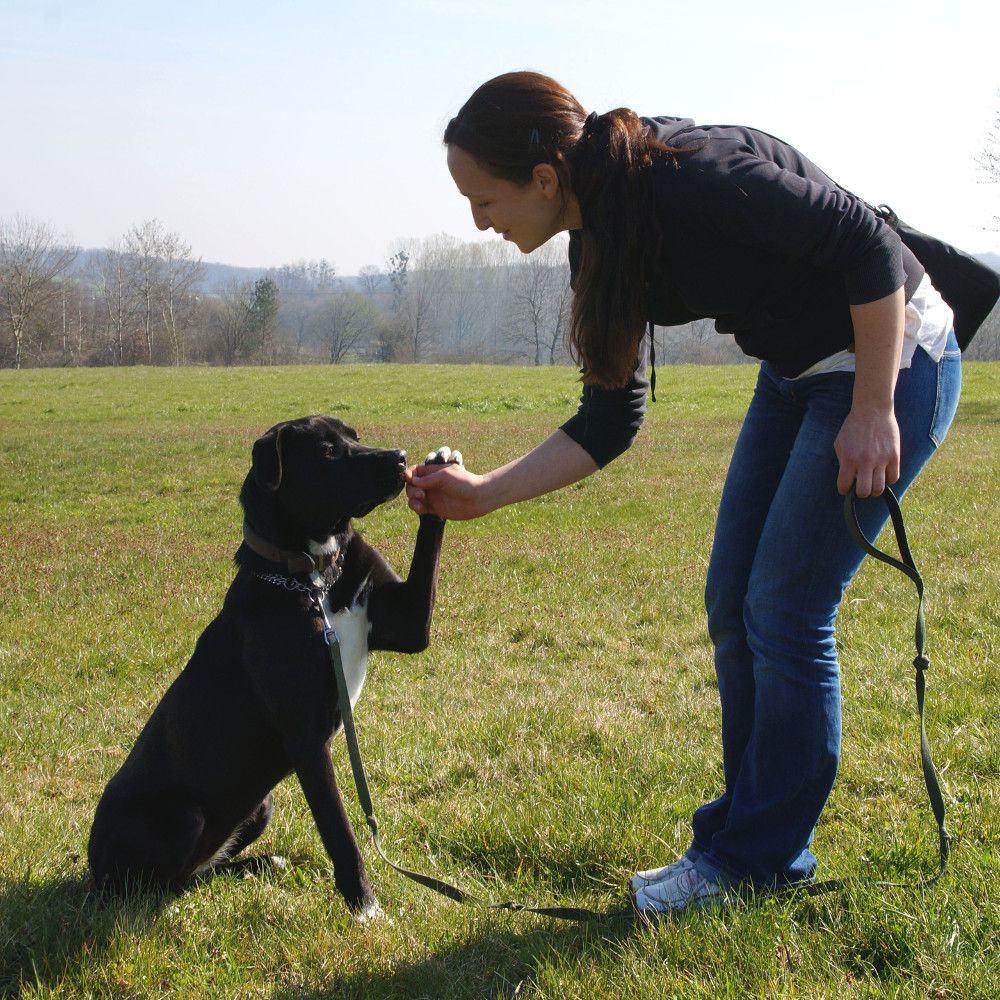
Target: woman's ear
column 545, row 178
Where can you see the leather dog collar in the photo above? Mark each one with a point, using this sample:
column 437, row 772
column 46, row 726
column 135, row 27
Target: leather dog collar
column 296, row 562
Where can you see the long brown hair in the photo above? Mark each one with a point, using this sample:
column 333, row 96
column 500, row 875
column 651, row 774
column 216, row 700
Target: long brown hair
column 518, row 120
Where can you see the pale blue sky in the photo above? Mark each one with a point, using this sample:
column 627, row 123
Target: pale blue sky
column 268, row 132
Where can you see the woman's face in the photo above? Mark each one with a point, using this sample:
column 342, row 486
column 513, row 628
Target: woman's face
column 528, row 216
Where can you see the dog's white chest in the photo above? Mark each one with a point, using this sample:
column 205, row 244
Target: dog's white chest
column 352, row 626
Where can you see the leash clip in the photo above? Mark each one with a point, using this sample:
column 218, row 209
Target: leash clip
column 329, row 632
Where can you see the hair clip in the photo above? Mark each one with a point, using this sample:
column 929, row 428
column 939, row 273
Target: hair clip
column 535, row 138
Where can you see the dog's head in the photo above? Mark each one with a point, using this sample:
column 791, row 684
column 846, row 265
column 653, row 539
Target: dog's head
column 315, row 475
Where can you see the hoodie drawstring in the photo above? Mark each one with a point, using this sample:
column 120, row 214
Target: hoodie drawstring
column 652, row 362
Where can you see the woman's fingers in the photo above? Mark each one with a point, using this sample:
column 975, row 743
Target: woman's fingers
column 449, row 491
column 868, row 450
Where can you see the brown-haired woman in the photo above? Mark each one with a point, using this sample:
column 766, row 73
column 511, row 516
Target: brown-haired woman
column 671, row 222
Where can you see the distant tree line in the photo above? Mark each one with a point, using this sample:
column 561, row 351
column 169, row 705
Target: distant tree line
column 144, row 300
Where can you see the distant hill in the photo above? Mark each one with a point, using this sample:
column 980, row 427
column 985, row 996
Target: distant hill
column 220, row 276
column 215, row 277
column 992, row 259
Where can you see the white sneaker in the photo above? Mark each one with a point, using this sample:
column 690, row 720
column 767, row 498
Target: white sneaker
column 642, row 879
column 683, row 889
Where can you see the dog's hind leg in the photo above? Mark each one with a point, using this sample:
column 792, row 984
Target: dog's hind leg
column 242, row 837
column 252, row 827
column 316, row 775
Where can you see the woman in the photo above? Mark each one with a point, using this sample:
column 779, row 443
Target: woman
column 860, row 379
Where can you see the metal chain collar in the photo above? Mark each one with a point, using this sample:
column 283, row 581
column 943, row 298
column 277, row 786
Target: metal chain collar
column 291, row 584
column 315, row 591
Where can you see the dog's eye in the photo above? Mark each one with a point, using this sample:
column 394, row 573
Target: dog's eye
column 328, row 450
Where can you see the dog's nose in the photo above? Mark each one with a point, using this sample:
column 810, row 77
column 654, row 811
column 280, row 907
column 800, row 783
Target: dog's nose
column 401, row 455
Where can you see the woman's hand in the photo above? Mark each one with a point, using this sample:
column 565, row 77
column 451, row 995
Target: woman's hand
column 454, row 493
column 868, row 449
column 449, row 491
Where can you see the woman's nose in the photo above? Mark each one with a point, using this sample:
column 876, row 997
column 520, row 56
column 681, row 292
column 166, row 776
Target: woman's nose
column 481, row 220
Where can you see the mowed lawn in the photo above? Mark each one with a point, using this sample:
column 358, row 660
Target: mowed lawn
column 557, row 734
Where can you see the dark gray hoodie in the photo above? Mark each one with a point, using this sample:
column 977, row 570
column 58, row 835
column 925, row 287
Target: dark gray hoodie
column 758, row 238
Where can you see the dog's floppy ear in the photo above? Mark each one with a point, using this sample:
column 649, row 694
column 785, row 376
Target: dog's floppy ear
column 267, row 459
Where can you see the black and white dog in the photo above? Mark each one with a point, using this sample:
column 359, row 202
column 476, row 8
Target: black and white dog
column 258, row 699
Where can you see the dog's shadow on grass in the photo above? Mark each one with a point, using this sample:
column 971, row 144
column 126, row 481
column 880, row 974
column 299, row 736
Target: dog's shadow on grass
column 50, row 928
column 488, row 962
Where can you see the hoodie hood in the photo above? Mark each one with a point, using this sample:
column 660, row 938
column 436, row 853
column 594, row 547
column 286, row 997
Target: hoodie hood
column 666, row 128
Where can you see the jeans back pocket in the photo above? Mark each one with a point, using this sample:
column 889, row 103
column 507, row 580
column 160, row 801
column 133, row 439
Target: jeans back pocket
column 949, row 389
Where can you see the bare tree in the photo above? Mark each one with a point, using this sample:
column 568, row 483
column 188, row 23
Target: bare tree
column 180, row 272
column 302, row 286
column 71, row 315
column 453, row 271
column 144, row 254
column 32, row 260
column 985, row 345
column 147, row 283
column 989, row 159
column 307, row 277
column 342, row 322
column 499, row 330
column 559, row 315
column 233, row 323
column 542, row 296
column 113, row 289
column 373, row 280
column 418, row 308
column 419, row 284
column 531, row 288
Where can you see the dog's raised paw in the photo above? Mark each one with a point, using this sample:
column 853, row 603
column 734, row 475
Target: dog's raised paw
column 444, row 456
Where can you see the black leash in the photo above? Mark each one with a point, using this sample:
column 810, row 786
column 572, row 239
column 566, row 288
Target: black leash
column 573, row 913
column 580, row 914
column 921, row 663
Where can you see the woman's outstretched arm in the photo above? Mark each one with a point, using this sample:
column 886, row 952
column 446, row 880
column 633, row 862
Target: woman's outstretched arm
column 456, row 494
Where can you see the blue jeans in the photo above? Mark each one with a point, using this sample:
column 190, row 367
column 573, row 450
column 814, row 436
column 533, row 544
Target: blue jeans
column 780, row 562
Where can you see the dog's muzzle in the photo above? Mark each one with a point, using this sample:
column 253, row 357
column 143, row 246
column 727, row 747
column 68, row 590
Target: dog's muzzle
column 385, row 476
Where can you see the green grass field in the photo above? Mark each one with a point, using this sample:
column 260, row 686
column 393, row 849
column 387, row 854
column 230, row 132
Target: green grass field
column 557, row 734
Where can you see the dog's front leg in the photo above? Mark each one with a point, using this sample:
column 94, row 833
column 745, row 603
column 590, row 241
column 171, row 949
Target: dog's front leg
column 400, row 611
column 319, row 783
